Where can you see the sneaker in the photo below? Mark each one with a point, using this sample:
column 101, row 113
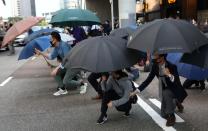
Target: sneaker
column 170, row 120
column 83, row 88
column 60, row 92
column 102, row 119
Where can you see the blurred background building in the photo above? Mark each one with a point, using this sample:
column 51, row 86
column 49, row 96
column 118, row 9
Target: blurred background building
column 27, row 8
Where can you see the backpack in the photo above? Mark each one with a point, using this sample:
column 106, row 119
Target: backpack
column 133, row 99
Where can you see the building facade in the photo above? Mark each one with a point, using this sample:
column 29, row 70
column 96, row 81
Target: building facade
column 27, row 8
column 71, row 4
column 15, row 8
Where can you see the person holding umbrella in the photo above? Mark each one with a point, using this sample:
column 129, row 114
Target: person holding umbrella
column 60, row 49
column 170, row 89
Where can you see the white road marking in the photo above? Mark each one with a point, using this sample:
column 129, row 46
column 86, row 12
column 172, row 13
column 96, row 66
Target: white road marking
column 158, row 104
column 135, row 84
column 33, row 58
column 155, row 116
column 6, row 81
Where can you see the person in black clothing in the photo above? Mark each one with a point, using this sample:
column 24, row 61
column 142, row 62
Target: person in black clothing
column 106, row 27
column 93, row 80
column 188, row 83
column 170, row 88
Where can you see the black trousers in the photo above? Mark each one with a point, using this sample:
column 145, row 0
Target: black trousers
column 92, row 78
column 188, row 83
column 112, row 95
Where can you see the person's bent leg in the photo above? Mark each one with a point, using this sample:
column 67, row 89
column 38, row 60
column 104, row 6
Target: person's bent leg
column 125, row 108
column 107, row 97
column 93, row 81
column 169, row 101
column 59, row 79
column 68, row 80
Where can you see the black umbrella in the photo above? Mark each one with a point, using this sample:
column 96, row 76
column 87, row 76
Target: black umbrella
column 101, row 54
column 4, row 2
column 198, row 57
column 167, row 35
column 123, row 32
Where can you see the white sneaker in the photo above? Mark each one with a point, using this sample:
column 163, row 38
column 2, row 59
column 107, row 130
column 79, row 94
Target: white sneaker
column 60, row 92
column 83, row 88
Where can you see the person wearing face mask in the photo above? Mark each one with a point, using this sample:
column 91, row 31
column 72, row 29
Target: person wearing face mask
column 171, row 91
column 62, row 76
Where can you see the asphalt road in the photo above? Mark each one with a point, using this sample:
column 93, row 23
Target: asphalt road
column 27, row 104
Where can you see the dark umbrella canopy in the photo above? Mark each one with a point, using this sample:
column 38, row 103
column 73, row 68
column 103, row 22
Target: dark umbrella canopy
column 74, row 17
column 198, row 57
column 167, row 35
column 101, row 54
column 123, row 32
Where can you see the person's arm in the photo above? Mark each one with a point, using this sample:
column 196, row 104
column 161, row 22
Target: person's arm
column 146, row 82
column 128, row 89
column 170, row 75
column 54, row 72
column 38, row 52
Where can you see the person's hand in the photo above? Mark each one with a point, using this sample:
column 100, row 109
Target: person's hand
column 38, row 52
column 54, row 72
column 167, row 72
column 110, row 104
column 133, row 93
column 147, row 62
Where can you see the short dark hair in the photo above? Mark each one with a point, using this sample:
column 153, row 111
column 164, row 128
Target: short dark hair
column 163, row 55
column 56, row 35
column 121, row 73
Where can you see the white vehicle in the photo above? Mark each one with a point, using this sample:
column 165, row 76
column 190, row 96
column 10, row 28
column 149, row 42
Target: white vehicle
column 20, row 39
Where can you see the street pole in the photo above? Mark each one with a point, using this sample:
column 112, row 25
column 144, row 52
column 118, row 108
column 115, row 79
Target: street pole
column 144, row 10
column 112, row 14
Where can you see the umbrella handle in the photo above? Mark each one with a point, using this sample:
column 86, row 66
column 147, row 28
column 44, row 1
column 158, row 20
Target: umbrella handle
column 49, row 64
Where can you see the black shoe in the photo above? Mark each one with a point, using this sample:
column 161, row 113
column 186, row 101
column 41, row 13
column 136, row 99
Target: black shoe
column 180, row 107
column 170, row 120
column 102, row 119
column 202, row 87
column 126, row 114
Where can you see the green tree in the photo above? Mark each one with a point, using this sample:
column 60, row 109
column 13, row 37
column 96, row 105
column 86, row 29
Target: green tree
column 14, row 19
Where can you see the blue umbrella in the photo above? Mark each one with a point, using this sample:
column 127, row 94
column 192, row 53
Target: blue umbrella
column 41, row 43
column 37, row 34
column 189, row 71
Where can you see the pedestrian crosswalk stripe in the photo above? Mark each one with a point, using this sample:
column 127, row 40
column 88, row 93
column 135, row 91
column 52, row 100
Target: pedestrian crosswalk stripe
column 155, row 116
column 158, row 104
column 6, row 81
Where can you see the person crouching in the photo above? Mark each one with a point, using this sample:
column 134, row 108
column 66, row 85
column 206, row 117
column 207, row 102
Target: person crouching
column 116, row 94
